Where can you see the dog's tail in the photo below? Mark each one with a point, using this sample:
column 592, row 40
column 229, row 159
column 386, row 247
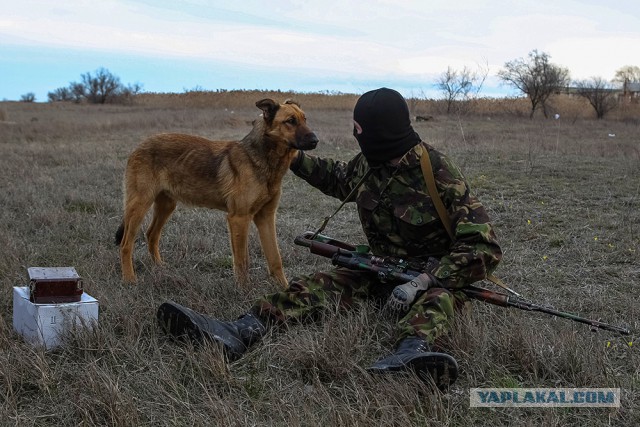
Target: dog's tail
column 120, row 234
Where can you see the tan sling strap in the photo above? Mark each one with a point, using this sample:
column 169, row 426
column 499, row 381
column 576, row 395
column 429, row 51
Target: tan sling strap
column 347, row 199
column 427, row 171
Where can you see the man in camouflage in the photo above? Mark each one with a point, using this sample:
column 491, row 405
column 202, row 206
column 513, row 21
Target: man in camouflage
column 398, row 219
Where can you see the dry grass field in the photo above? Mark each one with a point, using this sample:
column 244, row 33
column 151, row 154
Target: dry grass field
column 564, row 196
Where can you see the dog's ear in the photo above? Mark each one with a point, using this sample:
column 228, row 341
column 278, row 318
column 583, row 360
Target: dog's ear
column 269, row 108
column 293, row 102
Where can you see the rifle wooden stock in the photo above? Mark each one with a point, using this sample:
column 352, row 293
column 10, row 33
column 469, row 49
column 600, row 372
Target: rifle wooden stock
column 344, row 255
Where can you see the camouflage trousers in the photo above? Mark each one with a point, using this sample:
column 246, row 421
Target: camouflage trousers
column 306, row 297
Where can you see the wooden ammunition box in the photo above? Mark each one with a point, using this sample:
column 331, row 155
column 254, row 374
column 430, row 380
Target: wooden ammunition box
column 51, row 285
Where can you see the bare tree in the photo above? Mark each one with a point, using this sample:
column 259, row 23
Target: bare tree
column 454, row 84
column 101, row 87
column 600, row 94
column 74, row 92
column 461, row 85
column 28, row 97
column 60, row 94
column 125, row 94
column 78, row 92
column 536, row 77
column 627, row 74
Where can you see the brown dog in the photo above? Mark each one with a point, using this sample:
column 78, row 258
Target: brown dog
column 242, row 178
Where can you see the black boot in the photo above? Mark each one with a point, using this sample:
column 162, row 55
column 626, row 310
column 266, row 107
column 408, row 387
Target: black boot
column 235, row 337
column 414, row 353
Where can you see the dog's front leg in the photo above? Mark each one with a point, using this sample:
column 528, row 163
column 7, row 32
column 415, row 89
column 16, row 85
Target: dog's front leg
column 265, row 221
column 238, row 235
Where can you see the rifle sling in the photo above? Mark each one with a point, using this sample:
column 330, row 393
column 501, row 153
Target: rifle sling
column 347, row 199
column 427, row 171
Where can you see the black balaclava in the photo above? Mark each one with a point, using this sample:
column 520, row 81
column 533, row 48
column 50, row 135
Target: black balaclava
column 382, row 126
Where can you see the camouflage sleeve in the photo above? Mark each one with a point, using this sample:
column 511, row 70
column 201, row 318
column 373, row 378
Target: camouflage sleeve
column 332, row 177
column 475, row 252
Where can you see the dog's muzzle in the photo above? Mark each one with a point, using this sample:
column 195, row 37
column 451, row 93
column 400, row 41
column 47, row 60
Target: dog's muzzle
column 308, row 142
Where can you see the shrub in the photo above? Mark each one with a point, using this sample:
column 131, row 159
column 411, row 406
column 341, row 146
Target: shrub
column 28, row 97
column 103, row 87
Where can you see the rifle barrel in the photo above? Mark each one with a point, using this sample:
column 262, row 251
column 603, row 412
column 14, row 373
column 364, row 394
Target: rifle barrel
column 570, row 316
column 507, row 301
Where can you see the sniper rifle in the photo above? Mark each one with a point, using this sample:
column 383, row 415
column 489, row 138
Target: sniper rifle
column 392, row 269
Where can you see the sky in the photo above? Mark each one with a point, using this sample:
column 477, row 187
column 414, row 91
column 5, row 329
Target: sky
column 349, row 46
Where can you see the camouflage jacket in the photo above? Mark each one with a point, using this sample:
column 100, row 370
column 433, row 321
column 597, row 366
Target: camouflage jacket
column 399, row 218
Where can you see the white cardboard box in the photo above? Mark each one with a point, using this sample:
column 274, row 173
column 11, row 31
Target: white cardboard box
column 43, row 324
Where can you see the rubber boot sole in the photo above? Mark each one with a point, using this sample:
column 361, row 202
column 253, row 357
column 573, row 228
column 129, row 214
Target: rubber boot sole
column 175, row 322
column 440, row 368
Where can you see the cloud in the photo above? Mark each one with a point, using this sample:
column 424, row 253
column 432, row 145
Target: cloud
column 596, row 56
column 366, row 41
